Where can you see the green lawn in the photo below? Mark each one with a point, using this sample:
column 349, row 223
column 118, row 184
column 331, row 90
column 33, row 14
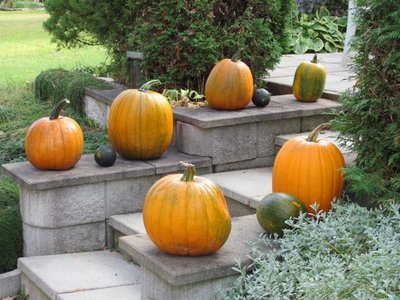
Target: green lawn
column 26, row 49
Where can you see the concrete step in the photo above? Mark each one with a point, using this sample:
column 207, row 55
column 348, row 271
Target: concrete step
column 170, row 277
column 96, row 275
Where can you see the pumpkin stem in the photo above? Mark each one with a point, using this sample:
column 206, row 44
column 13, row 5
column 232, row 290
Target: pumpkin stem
column 189, row 173
column 313, row 136
column 236, row 56
column 315, row 59
column 57, row 109
column 149, row 84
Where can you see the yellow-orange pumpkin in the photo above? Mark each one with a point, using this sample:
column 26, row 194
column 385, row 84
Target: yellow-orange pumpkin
column 186, row 214
column 54, row 143
column 309, row 169
column 140, row 123
column 229, row 85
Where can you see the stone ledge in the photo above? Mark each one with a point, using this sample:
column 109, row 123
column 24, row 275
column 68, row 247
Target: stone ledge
column 181, row 270
column 280, row 107
column 69, row 273
column 128, row 224
column 10, row 283
column 105, row 96
column 245, row 186
column 87, row 171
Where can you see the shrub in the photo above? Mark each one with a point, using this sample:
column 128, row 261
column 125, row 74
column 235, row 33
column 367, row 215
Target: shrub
column 55, row 84
column 370, row 119
column 181, row 40
column 349, row 253
column 10, row 225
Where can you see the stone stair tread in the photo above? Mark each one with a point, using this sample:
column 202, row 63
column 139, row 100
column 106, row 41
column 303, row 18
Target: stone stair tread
column 182, row 270
column 87, row 171
column 128, row 224
column 126, row 292
column 71, row 273
column 246, row 186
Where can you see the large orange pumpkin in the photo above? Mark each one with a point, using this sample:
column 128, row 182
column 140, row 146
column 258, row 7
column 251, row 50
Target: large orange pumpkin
column 309, row 169
column 54, row 143
column 229, row 85
column 140, row 123
column 186, row 214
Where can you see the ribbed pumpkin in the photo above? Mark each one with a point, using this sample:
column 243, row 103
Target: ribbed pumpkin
column 229, row 85
column 309, row 81
column 54, row 143
column 186, row 214
column 140, row 123
column 309, row 169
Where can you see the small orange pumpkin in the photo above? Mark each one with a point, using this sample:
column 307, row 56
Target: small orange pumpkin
column 229, row 85
column 309, row 169
column 186, row 214
column 54, row 143
column 140, row 123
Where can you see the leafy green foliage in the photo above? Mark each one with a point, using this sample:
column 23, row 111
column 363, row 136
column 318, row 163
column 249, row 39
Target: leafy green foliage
column 181, row 40
column 319, row 32
column 55, row 84
column 349, row 253
column 370, row 119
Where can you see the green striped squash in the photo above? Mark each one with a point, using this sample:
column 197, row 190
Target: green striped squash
column 275, row 208
column 309, row 81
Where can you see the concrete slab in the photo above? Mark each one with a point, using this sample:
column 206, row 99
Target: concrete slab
column 87, row 171
column 10, row 283
column 67, row 273
column 245, row 186
column 128, row 224
column 128, row 292
column 280, row 107
column 184, row 270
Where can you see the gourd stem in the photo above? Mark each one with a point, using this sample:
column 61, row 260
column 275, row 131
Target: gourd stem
column 315, row 59
column 189, row 173
column 313, row 136
column 149, row 84
column 56, row 111
column 236, row 56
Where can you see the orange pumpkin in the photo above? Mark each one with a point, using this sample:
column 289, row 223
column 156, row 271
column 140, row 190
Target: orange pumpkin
column 229, row 85
column 54, row 143
column 140, row 123
column 309, row 169
column 186, row 214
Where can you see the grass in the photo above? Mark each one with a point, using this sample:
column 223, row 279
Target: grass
column 25, row 51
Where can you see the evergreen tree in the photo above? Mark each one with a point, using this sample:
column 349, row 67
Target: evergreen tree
column 371, row 116
column 181, row 40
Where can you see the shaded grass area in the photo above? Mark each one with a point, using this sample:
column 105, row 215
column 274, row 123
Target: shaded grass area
column 26, row 51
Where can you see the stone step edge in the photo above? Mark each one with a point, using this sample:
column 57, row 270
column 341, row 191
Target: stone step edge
column 128, row 224
column 182, row 270
column 48, row 275
column 87, row 171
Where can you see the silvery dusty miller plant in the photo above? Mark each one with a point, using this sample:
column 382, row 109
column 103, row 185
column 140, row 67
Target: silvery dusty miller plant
column 351, row 253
